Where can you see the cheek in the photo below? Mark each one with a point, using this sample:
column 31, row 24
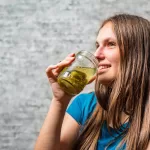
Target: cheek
column 114, row 60
column 114, row 57
column 116, row 64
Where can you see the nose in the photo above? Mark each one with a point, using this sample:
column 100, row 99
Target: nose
column 99, row 54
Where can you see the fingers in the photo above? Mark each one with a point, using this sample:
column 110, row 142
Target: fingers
column 50, row 74
column 53, row 70
column 66, row 62
column 71, row 55
column 49, row 69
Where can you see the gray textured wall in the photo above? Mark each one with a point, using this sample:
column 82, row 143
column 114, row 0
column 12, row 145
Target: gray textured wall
column 33, row 35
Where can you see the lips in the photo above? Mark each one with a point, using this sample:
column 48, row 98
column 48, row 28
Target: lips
column 104, row 66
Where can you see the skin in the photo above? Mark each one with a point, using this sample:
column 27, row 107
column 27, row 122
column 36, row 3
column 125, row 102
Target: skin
column 108, row 54
column 60, row 130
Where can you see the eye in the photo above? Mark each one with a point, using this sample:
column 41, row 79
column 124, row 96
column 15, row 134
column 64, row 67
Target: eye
column 111, row 44
column 97, row 45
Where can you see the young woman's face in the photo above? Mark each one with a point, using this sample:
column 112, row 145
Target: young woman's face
column 108, row 54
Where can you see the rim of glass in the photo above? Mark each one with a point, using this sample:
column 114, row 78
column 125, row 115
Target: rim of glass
column 89, row 56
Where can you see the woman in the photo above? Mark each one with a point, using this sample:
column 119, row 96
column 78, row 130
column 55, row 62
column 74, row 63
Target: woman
column 116, row 115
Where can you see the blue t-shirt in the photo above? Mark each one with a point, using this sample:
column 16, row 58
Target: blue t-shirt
column 81, row 109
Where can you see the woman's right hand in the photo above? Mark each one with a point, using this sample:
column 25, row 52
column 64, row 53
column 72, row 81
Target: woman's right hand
column 52, row 73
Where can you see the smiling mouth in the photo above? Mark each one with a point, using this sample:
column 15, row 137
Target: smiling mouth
column 104, row 67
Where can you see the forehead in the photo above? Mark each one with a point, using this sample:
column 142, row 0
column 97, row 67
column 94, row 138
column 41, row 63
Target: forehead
column 106, row 32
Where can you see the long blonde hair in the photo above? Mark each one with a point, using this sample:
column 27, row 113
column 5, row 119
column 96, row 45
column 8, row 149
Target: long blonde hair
column 130, row 92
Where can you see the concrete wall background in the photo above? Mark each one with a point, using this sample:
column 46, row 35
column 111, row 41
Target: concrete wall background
column 33, row 35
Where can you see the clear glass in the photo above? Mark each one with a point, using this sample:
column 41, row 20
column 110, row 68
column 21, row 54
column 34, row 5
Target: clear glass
column 74, row 78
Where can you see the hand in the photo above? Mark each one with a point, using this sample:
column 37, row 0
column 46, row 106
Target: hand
column 52, row 73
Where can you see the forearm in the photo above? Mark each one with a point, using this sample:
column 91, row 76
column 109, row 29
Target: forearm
column 49, row 137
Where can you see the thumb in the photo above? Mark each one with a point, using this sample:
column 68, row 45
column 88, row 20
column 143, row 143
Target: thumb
column 92, row 79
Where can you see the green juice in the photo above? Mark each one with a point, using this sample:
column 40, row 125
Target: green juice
column 73, row 81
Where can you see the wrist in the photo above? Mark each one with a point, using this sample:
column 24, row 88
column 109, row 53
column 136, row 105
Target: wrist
column 61, row 103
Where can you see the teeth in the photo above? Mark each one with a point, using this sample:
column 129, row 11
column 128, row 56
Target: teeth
column 103, row 67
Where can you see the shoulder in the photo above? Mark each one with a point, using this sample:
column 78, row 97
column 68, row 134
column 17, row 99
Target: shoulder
column 86, row 99
column 82, row 107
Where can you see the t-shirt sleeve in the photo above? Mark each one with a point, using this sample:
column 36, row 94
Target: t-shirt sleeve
column 75, row 109
column 82, row 107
